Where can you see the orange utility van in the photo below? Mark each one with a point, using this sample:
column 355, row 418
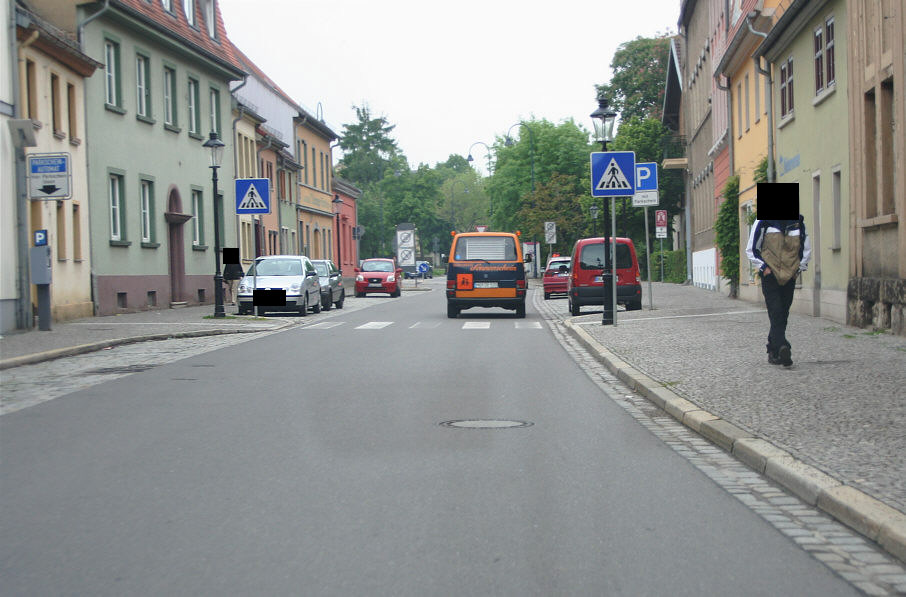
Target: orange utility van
column 486, row 269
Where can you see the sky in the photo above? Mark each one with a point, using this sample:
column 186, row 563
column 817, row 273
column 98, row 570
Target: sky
column 446, row 74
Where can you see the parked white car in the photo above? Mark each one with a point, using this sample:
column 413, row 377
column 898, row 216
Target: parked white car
column 283, row 282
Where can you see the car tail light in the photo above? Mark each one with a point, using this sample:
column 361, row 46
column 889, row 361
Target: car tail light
column 520, row 283
column 451, row 284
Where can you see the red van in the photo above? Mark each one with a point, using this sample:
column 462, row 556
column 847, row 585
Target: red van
column 585, row 286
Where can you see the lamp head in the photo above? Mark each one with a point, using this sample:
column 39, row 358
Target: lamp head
column 216, row 146
column 604, row 119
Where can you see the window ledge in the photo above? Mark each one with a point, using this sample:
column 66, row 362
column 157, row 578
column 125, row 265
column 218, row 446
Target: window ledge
column 114, row 109
column 121, row 243
column 824, row 94
column 59, row 135
column 172, row 129
column 195, row 136
column 75, row 141
column 790, row 117
column 37, row 125
column 145, row 119
column 878, row 221
column 146, row 245
column 199, row 247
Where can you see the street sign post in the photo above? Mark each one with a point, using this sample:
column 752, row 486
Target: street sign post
column 49, row 176
column 646, row 193
column 253, row 196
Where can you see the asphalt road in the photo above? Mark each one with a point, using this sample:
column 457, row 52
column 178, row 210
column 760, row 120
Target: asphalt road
column 315, row 462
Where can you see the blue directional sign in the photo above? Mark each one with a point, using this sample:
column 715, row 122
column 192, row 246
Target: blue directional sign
column 646, row 176
column 253, row 196
column 612, row 173
column 49, row 176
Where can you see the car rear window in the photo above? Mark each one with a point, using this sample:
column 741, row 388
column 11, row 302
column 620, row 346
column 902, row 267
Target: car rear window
column 592, row 256
column 322, row 269
column 276, row 267
column 555, row 265
column 485, row 248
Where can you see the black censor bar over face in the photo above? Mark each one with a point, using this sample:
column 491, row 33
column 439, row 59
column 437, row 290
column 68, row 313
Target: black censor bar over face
column 778, row 201
column 230, row 255
column 269, row 298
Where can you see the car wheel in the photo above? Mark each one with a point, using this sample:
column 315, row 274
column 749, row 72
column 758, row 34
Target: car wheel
column 303, row 310
column 520, row 310
column 316, row 306
column 259, row 311
column 339, row 303
column 396, row 293
column 452, row 312
column 359, row 294
column 573, row 308
column 326, row 305
column 547, row 296
column 634, row 306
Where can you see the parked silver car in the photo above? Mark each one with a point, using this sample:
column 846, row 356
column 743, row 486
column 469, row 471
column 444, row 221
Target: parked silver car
column 332, row 291
column 283, row 283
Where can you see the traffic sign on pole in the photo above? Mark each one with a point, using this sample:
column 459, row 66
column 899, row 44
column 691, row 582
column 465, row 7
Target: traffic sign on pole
column 253, row 196
column 612, row 173
column 48, row 176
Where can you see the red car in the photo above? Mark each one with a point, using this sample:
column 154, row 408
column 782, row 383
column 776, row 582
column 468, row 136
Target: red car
column 556, row 276
column 378, row 275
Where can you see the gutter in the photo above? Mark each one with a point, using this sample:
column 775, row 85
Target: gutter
column 81, row 26
column 767, row 74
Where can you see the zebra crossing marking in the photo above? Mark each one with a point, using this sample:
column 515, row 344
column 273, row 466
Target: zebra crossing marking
column 476, row 325
column 374, row 325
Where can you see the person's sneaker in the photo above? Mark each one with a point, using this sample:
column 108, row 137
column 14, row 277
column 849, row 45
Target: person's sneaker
column 784, row 356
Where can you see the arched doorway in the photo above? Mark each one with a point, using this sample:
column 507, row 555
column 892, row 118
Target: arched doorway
column 316, row 244
column 176, row 246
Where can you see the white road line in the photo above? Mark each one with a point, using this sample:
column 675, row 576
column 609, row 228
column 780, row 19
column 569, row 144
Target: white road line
column 424, row 325
column 528, row 325
column 374, row 325
column 476, row 325
column 624, row 320
column 324, row 325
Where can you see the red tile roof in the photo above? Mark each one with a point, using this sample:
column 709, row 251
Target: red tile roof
column 220, row 49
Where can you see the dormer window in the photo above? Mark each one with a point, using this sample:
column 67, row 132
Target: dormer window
column 189, row 8
column 209, row 18
column 167, row 4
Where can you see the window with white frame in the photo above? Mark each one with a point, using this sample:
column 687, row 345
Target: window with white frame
column 209, row 18
column 143, row 86
column 169, row 98
column 786, row 88
column 215, row 111
column 167, row 4
column 111, row 72
column 829, row 58
column 114, row 194
column 147, row 202
column 197, row 215
column 819, row 60
column 194, row 121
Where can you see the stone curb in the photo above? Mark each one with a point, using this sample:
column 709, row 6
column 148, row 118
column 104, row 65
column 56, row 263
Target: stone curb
column 862, row 513
column 58, row 353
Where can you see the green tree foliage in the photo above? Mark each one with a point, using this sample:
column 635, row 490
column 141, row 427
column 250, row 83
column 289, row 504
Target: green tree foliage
column 556, row 200
column 727, row 229
column 639, row 71
column 368, row 149
column 557, row 149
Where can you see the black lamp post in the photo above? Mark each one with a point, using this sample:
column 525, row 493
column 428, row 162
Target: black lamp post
column 603, row 119
column 337, row 202
column 216, row 146
column 594, row 219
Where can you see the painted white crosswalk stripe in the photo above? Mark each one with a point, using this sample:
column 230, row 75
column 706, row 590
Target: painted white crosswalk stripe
column 374, row 325
column 325, row 325
column 476, row 325
column 424, row 325
column 528, row 325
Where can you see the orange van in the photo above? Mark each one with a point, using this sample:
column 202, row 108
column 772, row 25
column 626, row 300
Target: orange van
column 585, row 286
column 486, row 269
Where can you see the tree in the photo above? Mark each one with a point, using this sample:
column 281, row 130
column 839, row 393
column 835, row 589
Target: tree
column 727, row 229
column 639, row 72
column 368, row 149
column 557, row 200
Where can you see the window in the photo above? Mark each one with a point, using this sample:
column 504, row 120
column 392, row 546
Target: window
column 56, row 105
column 209, row 18
column 115, row 194
column 739, row 109
column 189, row 8
column 829, row 59
column 31, row 90
column 61, row 230
column 76, row 233
column 197, row 215
column 194, row 121
column 169, row 99
column 747, row 101
column 147, row 203
column 314, row 175
column 215, row 111
column 143, row 86
column 819, row 60
column 167, row 4
column 838, row 216
column 305, row 157
column 757, row 95
column 786, row 88
column 72, row 107
column 111, row 72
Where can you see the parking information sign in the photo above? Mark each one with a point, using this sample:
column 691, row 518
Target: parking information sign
column 612, row 173
column 48, row 176
column 660, row 223
column 253, row 196
column 646, row 192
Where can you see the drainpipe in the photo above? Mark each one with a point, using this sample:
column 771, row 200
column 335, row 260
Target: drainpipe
column 235, row 163
column 726, row 88
column 81, row 26
column 767, row 74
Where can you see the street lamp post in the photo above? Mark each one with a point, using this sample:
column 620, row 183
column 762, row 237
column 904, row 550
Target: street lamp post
column 488, row 149
column 216, row 146
column 594, row 219
column 603, row 119
column 337, row 202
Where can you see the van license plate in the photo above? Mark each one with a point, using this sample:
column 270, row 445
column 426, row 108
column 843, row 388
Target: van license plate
column 485, row 285
column 597, row 278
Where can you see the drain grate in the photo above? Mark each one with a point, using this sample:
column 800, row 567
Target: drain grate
column 486, row 424
column 118, row 370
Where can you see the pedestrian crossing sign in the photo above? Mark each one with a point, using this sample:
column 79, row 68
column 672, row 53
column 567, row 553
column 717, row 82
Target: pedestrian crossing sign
column 253, row 196
column 612, row 173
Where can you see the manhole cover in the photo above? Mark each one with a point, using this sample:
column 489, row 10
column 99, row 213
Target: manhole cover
column 118, row 370
column 486, row 424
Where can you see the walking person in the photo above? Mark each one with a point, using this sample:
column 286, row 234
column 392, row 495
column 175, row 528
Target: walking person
column 231, row 273
column 780, row 249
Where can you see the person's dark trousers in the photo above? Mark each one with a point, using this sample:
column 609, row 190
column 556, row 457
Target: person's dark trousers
column 778, row 299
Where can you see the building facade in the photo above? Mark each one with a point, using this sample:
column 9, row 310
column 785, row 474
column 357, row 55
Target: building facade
column 345, row 227
column 316, row 220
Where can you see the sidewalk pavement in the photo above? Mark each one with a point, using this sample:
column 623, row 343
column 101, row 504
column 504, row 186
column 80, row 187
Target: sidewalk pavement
column 95, row 333
column 831, row 428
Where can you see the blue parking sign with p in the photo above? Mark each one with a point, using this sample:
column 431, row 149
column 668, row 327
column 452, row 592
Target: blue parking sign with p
column 646, row 176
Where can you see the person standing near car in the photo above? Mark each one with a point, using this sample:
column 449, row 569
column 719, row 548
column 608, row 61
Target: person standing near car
column 780, row 249
column 231, row 273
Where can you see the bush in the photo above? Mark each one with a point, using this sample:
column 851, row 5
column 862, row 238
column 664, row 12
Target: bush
column 674, row 266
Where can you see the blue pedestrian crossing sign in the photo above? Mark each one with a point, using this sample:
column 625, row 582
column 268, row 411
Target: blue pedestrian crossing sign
column 253, row 196
column 612, row 173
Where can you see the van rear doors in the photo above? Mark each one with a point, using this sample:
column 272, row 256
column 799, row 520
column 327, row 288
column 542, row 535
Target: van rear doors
column 485, row 270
